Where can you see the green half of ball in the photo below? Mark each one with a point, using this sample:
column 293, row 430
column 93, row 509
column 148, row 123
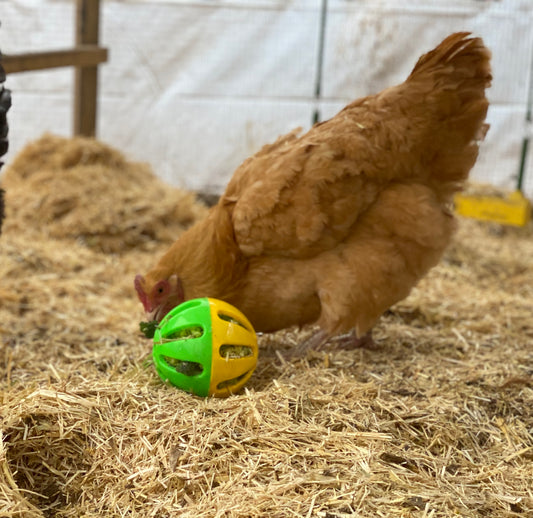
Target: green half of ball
column 182, row 349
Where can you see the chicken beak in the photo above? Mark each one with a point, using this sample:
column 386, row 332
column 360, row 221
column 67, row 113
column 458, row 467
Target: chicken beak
column 152, row 315
column 175, row 298
column 157, row 312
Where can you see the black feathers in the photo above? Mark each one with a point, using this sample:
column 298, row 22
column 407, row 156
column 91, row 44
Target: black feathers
column 5, row 104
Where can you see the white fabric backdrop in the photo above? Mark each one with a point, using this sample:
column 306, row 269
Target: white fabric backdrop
column 194, row 87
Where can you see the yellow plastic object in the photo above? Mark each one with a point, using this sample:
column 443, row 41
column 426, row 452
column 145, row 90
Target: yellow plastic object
column 235, row 349
column 513, row 209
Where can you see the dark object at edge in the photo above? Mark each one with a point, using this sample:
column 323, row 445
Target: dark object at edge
column 5, row 104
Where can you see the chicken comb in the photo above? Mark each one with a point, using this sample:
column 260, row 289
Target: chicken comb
column 140, row 292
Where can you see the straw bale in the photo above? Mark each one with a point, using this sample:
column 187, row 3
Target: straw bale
column 435, row 422
column 83, row 189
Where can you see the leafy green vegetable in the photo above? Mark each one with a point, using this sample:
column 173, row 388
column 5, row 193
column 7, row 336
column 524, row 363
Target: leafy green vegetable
column 185, row 334
column 231, row 320
column 235, row 351
column 148, row 328
column 185, row 367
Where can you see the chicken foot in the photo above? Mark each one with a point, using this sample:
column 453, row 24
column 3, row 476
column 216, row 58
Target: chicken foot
column 350, row 340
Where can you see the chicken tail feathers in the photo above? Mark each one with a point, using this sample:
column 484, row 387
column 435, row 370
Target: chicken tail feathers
column 452, row 80
column 460, row 57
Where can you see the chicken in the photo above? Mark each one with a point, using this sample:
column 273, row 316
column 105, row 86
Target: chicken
column 5, row 103
column 335, row 226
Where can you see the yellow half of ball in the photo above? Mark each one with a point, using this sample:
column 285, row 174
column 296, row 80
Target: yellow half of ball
column 234, row 354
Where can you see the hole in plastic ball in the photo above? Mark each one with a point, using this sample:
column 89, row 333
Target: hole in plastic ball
column 185, row 333
column 229, row 351
column 232, row 320
column 184, row 367
column 228, row 383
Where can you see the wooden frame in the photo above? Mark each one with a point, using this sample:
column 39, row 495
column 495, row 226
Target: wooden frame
column 85, row 56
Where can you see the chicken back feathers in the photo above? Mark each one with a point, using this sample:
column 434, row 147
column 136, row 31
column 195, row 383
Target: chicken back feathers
column 303, row 195
column 338, row 224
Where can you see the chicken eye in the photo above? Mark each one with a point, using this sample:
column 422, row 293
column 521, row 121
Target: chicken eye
column 160, row 289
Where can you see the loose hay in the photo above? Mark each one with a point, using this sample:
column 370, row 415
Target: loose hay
column 82, row 189
column 438, row 422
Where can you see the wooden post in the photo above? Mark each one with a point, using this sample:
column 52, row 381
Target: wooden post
column 86, row 78
column 82, row 56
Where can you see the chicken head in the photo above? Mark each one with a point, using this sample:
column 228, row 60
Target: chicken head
column 158, row 297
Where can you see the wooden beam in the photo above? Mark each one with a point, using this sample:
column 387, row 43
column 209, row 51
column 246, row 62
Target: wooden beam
column 86, row 78
column 81, row 56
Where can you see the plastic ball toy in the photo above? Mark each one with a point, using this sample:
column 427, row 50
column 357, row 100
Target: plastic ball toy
column 206, row 347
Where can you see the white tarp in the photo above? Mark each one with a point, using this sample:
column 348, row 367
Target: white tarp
column 194, row 87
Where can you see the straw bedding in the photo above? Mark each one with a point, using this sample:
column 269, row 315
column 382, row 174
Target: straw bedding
column 436, row 422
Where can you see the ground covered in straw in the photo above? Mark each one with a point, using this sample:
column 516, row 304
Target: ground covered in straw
column 438, row 421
